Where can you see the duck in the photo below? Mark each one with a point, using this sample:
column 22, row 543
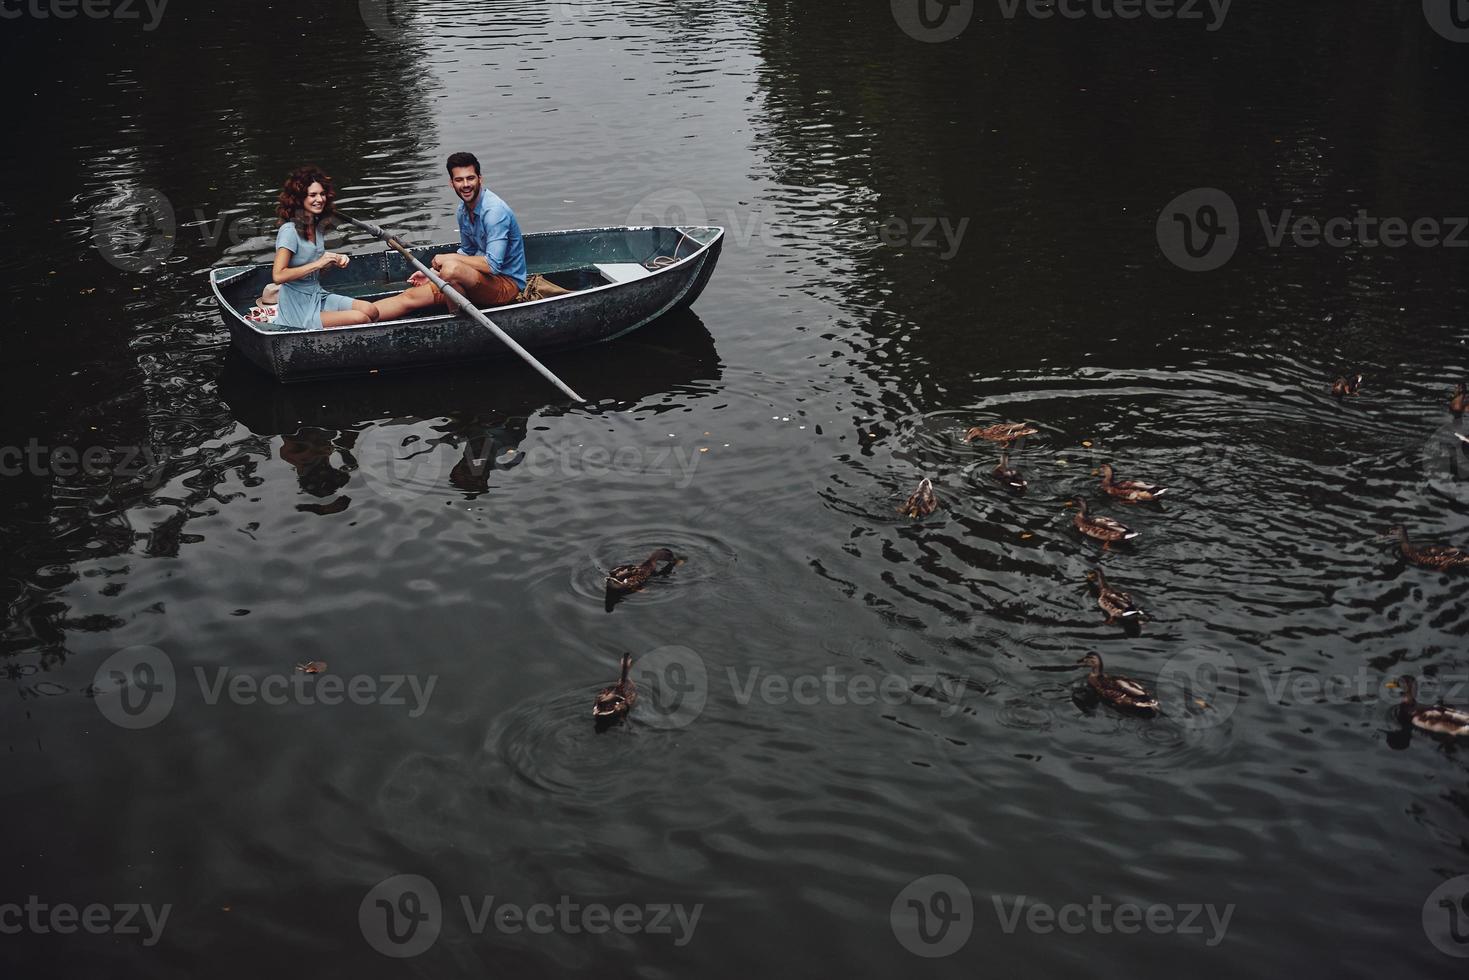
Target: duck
column 922, row 502
column 1120, row 692
column 1130, row 491
column 1441, row 557
column 1346, row 386
column 1439, row 719
column 616, row 701
column 1002, row 432
column 1103, row 529
column 1114, row 602
column 1459, row 402
column 631, row 578
column 1009, row 477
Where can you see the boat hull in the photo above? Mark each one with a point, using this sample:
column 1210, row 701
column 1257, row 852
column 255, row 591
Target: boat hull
column 588, row 316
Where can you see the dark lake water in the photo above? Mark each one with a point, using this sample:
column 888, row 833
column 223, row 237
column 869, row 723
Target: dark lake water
column 861, row 745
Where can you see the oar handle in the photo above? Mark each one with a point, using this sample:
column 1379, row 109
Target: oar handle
column 461, row 301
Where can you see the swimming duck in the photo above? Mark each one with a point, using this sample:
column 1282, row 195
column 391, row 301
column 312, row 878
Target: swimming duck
column 1459, row 402
column 922, row 502
column 1441, row 557
column 631, row 578
column 1119, row 692
column 1130, row 491
column 616, row 701
column 1104, row 529
column 1114, row 602
column 1346, row 386
column 1009, row 477
column 1002, row 432
column 1440, row 719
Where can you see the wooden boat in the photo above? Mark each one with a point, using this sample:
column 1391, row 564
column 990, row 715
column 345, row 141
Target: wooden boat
column 621, row 279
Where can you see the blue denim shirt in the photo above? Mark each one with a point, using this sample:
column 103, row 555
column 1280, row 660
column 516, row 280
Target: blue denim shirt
column 493, row 232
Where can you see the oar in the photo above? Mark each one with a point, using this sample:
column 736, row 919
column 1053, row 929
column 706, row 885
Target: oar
column 459, row 300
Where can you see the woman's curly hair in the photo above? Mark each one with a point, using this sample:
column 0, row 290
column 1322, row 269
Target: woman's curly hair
column 292, row 204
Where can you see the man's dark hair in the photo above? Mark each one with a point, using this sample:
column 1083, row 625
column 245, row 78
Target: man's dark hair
column 463, row 160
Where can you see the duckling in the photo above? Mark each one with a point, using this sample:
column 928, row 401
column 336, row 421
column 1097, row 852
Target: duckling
column 616, row 701
column 1439, row 719
column 1002, row 432
column 922, row 502
column 1114, row 602
column 1120, row 692
column 1346, row 386
column 1103, row 529
column 1130, row 491
column 1459, row 402
column 1441, row 557
column 631, row 578
column 1009, row 477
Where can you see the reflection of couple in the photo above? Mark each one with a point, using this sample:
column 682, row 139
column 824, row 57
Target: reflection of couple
column 489, row 267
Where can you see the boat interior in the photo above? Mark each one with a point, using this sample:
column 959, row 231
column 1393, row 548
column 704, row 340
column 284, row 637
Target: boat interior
column 574, row 260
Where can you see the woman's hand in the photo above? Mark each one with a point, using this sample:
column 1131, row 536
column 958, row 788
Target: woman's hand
column 418, row 279
column 334, row 258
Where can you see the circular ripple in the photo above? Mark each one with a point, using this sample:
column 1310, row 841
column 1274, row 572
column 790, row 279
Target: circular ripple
column 702, row 558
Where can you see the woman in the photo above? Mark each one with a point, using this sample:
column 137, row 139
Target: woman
column 306, row 211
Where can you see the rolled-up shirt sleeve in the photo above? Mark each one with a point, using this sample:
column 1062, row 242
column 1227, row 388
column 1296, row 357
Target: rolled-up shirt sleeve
column 497, row 238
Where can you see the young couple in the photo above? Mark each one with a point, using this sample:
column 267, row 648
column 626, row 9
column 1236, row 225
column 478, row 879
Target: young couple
column 489, row 267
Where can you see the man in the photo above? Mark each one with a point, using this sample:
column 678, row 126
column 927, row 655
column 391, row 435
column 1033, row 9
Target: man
column 489, row 267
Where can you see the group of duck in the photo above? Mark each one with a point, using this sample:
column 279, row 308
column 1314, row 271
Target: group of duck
column 1131, row 695
column 613, row 703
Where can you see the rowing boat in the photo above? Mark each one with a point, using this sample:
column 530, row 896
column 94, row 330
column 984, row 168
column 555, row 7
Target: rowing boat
column 619, row 279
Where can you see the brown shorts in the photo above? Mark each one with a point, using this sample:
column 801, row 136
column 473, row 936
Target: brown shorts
column 485, row 291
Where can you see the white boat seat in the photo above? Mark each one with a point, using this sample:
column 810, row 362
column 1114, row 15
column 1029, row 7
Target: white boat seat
column 623, row 271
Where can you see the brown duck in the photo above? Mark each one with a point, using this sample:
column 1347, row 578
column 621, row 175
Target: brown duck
column 1118, row 691
column 1439, row 719
column 1011, row 478
column 1130, row 491
column 1346, row 386
column 616, row 701
column 1459, row 402
column 1103, row 529
column 922, row 501
column 1002, row 432
column 1441, row 557
column 631, row 578
column 1114, row 602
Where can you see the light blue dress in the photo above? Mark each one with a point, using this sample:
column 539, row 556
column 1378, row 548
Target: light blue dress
column 303, row 301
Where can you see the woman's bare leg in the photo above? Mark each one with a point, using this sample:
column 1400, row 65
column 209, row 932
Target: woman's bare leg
column 360, row 313
column 406, row 302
